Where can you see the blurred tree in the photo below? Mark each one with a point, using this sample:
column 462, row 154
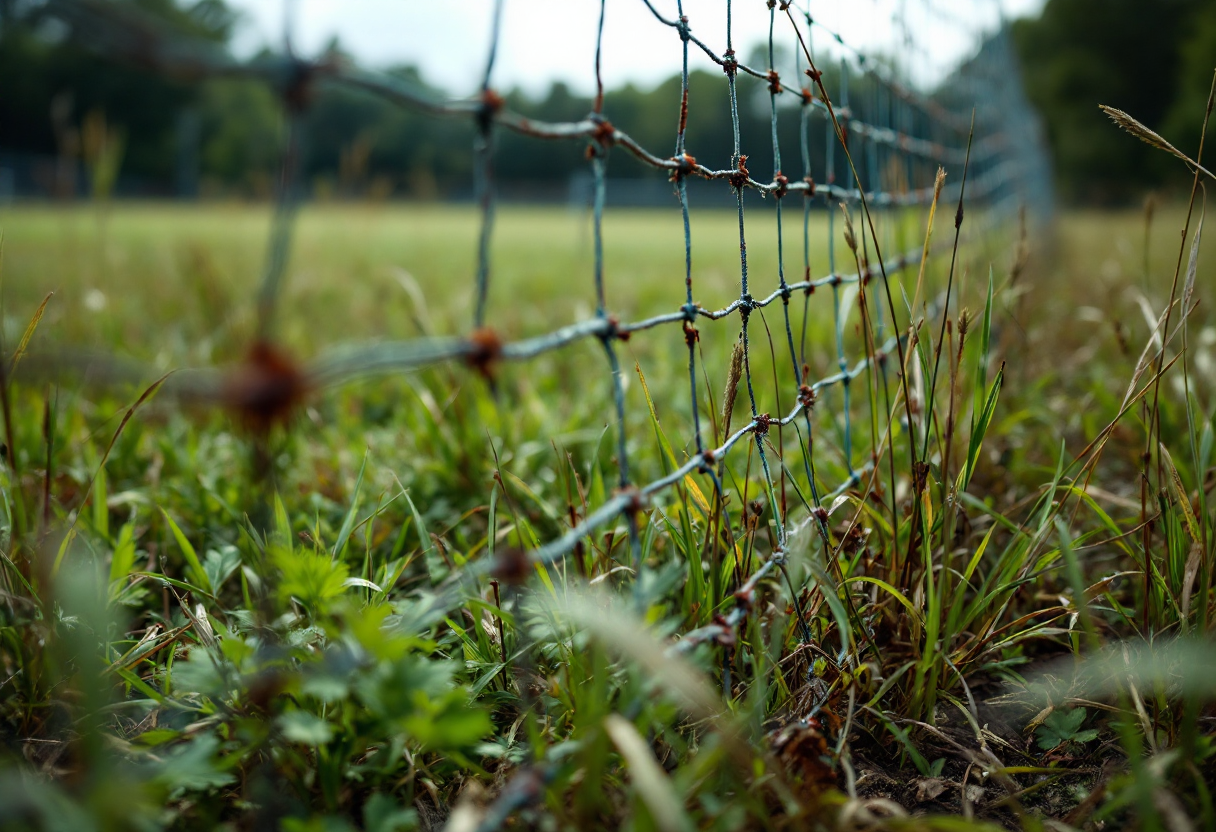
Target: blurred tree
column 1152, row 58
column 1197, row 59
column 43, row 61
column 1125, row 53
column 242, row 129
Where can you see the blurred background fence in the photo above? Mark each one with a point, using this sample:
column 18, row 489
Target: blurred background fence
column 811, row 124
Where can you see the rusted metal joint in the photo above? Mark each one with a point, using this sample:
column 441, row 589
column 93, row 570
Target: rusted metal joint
column 637, row 501
column 730, row 64
column 774, row 82
column 298, row 91
column 726, row 637
column 821, row 514
column 613, row 331
column 810, row 185
column 511, row 566
column 746, row 597
column 806, row 396
column 685, row 165
column 683, row 28
column 763, row 422
column 739, row 178
column 783, row 185
column 808, row 97
column 604, row 133
column 485, row 350
column 491, row 104
column 708, row 460
column 691, row 335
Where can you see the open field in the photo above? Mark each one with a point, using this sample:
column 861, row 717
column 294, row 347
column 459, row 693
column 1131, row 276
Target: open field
column 918, row 656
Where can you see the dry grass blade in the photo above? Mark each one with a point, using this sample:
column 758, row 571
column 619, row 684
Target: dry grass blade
column 1184, row 502
column 148, row 393
column 1181, row 667
column 1148, row 136
column 1192, row 266
column 1193, row 562
column 29, row 333
column 732, row 386
column 939, row 182
column 850, row 239
column 624, row 635
column 653, row 785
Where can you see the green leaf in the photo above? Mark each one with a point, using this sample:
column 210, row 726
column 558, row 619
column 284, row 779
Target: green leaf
column 979, row 427
column 1063, row 726
column 312, row 578
column 434, row 563
column 122, row 561
column 381, row 813
column 349, row 523
column 193, row 767
column 301, row 726
column 197, row 573
column 220, row 564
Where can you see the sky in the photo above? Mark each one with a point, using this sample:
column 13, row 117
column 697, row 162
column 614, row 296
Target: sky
column 547, row 40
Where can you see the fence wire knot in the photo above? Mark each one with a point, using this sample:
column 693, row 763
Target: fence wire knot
column 725, row 636
column 637, row 500
column 491, row 104
column 774, row 82
column 691, row 334
column 299, row 87
column 604, row 134
column 782, row 185
column 613, row 330
column 684, row 165
column 739, row 178
column 730, row 64
column 485, row 348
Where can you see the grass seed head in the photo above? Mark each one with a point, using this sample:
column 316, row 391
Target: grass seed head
column 1141, row 132
column 732, row 383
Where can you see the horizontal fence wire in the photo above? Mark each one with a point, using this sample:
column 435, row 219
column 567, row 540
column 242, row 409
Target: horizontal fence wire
column 910, row 133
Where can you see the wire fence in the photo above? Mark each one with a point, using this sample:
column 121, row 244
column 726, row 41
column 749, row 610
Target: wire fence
column 977, row 125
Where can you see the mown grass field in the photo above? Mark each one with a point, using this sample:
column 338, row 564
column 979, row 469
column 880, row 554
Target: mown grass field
column 201, row 632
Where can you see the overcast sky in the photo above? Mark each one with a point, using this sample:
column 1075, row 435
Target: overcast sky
column 545, row 40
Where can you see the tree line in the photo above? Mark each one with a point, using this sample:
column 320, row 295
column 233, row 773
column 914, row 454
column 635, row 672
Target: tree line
column 61, row 99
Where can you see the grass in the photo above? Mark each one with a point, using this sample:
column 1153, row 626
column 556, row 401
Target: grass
column 189, row 641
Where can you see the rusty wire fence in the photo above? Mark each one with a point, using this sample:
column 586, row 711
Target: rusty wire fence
column 976, row 125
